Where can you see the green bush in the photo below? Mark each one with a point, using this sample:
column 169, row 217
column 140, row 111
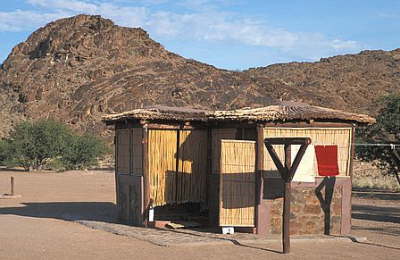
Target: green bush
column 386, row 131
column 82, row 152
column 3, row 151
column 33, row 145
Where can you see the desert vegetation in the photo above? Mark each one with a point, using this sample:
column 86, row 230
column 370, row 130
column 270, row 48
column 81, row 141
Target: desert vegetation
column 384, row 137
column 35, row 145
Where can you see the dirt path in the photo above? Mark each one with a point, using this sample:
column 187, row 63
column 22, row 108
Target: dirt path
column 35, row 226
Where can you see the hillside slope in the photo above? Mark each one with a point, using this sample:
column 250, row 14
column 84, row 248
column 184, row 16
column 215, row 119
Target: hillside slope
column 349, row 82
column 78, row 68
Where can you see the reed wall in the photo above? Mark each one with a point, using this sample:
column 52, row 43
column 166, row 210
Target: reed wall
column 192, row 166
column 217, row 135
column 319, row 136
column 237, row 183
column 162, row 148
column 177, row 166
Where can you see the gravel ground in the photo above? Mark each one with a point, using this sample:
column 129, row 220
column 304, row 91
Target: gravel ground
column 70, row 216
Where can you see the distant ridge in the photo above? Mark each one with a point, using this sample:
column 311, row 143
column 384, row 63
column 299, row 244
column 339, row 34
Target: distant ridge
column 77, row 69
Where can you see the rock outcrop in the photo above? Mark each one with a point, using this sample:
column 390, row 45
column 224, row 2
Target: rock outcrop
column 79, row 68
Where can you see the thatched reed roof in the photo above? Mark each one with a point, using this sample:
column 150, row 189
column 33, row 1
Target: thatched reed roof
column 288, row 111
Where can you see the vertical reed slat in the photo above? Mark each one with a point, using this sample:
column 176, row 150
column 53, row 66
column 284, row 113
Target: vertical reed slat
column 238, row 183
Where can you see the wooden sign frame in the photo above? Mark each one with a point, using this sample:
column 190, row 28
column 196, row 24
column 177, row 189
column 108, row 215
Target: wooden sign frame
column 287, row 171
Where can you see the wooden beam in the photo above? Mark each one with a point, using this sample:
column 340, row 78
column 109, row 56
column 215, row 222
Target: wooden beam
column 116, row 173
column 286, row 199
column 288, row 140
column 286, row 218
column 288, row 160
column 260, row 210
column 130, row 148
column 146, row 176
column 308, row 124
column 352, row 151
column 12, row 186
column 275, row 158
column 209, row 166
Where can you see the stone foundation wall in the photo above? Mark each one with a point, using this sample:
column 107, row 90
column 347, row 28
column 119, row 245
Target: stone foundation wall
column 315, row 208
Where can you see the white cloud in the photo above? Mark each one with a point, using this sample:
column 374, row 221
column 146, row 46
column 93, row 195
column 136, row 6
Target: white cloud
column 20, row 20
column 65, row 5
column 125, row 16
column 343, row 45
column 205, row 4
column 217, row 26
column 205, row 24
column 387, row 15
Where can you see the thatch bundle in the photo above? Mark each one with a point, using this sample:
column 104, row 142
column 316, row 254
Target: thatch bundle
column 285, row 111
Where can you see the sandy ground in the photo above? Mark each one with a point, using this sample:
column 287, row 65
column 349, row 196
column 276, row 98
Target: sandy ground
column 35, row 226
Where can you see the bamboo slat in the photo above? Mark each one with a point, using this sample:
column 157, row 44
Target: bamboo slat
column 238, row 165
column 217, row 135
column 319, row 136
column 192, row 166
column 162, row 165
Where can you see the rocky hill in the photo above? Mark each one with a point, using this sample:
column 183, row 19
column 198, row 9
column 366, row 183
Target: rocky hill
column 79, row 68
column 349, row 82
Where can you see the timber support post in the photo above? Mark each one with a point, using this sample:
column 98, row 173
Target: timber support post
column 146, row 175
column 287, row 171
column 12, row 186
column 261, row 223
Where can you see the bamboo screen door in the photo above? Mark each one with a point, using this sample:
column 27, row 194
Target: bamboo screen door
column 237, row 183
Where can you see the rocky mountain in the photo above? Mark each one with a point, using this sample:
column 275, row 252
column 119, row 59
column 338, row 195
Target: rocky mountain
column 79, row 68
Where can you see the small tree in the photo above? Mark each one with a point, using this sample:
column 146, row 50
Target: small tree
column 3, row 151
column 386, row 130
column 33, row 144
column 83, row 151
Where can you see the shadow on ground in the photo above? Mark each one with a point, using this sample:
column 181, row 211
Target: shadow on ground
column 381, row 217
column 96, row 211
column 376, row 213
column 376, row 194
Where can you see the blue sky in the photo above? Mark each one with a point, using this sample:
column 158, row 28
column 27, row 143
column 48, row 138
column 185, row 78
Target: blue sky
column 231, row 34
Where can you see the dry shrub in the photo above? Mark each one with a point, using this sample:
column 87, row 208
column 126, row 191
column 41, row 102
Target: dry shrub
column 368, row 176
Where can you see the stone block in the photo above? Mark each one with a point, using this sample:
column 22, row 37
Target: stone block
column 276, row 210
column 337, row 209
column 295, row 228
column 311, row 225
column 312, row 209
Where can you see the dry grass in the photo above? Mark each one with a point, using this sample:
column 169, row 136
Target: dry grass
column 367, row 176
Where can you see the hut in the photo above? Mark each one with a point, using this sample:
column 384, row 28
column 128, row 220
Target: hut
column 213, row 167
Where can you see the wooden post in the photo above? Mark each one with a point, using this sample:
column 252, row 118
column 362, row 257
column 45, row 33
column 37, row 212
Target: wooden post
column 178, row 141
column 287, row 172
column 12, row 186
column 352, row 151
column 261, row 212
column 209, row 169
column 286, row 202
column 146, row 176
column 288, row 160
column 117, row 198
column 286, row 219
